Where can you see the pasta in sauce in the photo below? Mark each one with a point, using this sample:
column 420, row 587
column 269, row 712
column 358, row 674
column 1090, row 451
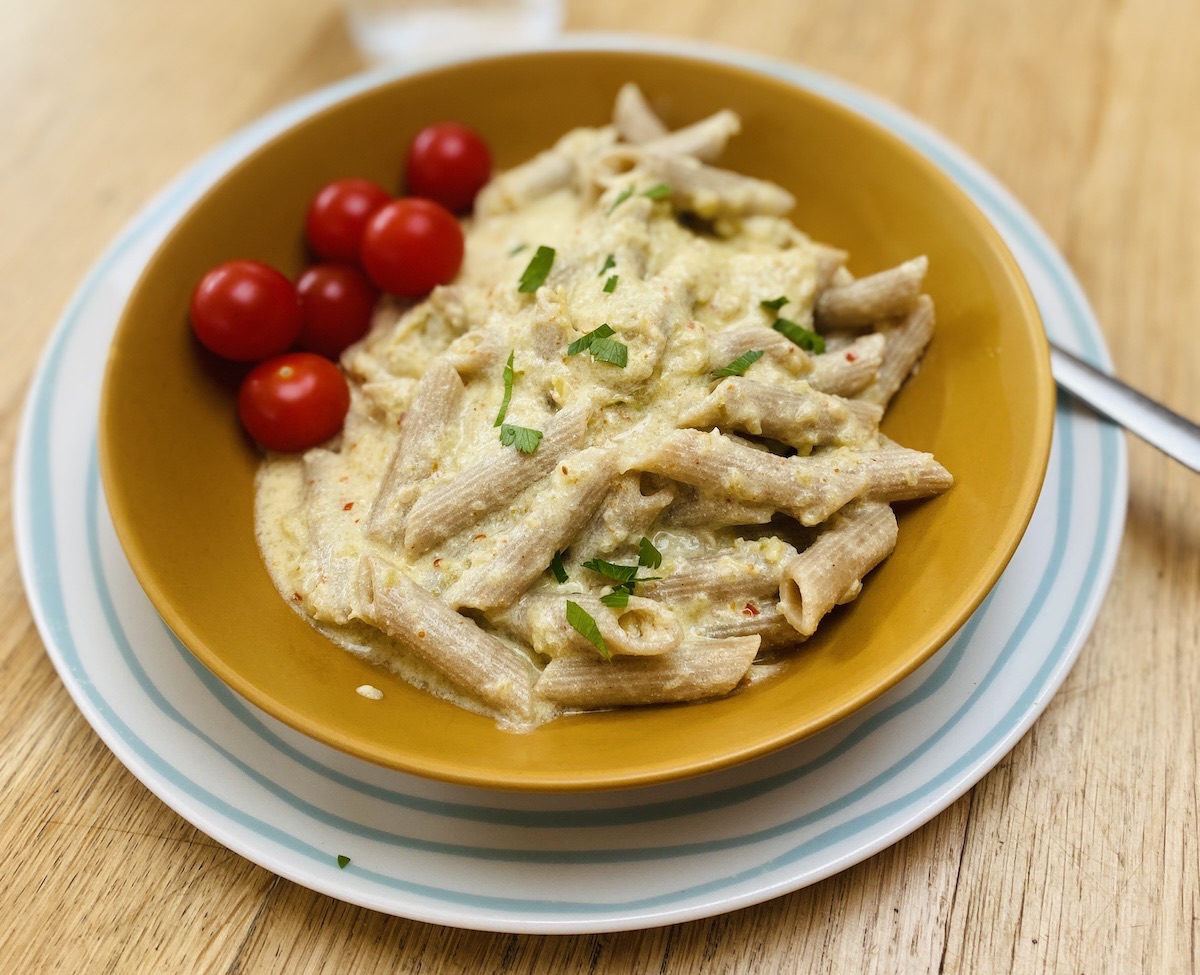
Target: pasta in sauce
column 631, row 449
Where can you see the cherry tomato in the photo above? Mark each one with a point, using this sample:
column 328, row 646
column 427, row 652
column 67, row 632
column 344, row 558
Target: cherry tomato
column 336, row 305
column 411, row 245
column 294, row 401
column 448, row 163
column 337, row 216
column 245, row 310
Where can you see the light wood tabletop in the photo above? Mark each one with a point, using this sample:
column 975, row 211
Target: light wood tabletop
column 1078, row 853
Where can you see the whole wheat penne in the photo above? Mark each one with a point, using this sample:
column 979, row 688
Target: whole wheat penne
column 523, row 553
column 755, row 617
column 625, row 514
column 695, row 508
column 895, row 473
column 695, row 671
column 799, row 416
column 641, row 628
column 704, row 140
column 850, row 369
column 727, row 345
column 869, row 300
column 809, row 489
column 831, row 569
column 905, row 343
column 471, row 659
column 421, row 434
column 456, row 503
column 633, row 118
column 748, row 570
column 704, row 190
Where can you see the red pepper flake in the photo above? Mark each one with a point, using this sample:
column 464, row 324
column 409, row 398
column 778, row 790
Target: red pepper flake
column 297, row 598
column 750, row 610
column 348, row 505
column 851, row 356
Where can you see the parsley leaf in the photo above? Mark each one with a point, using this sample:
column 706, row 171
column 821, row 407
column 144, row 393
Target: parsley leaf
column 526, row 440
column 537, row 270
column 624, row 195
column 609, row 262
column 775, row 303
column 582, row 623
column 343, row 860
column 617, row 599
column 508, row 388
column 659, row 192
column 800, row 335
column 610, row 570
column 740, row 364
column 648, row 555
column 557, row 567
column 611, row 284
column 600, row 343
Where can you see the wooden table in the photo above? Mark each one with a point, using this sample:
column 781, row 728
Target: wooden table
column 1080, row 852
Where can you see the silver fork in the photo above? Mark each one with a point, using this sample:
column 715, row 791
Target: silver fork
column 1174, row 435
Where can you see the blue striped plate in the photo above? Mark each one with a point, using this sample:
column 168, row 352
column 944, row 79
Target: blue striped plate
column 553, row 863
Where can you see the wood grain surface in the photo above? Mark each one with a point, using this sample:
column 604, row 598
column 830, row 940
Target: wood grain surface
column 1079, row 853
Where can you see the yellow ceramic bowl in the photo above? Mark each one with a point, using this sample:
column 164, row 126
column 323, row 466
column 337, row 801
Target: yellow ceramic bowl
column 178, row 471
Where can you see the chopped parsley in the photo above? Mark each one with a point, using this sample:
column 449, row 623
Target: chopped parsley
column 659, row 192
column 624, row 195
column 600, row 343
column 584, row 624
column 508, row 388
column 343, row 860
column 557, row 567
column 611, row 284
column 609, row 263
column 740, row 364
column 526, row 440
column 648, row 555
column 617, row 599
column 537, row 269
column 774, row 304
column 800, row 335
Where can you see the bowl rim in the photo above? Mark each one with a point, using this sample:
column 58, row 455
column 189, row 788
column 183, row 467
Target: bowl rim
column 1027, row 491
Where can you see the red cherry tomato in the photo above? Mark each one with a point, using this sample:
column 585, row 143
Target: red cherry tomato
column 336, row 305
column 448, row 163
column 294, row 401
column 245, row 310
column 411, row 245
column 337, row 216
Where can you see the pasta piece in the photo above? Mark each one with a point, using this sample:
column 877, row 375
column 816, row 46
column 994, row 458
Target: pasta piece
column 704, row 509
column 800, row 416
column 809, row 489
column 869, row 300
column 727, row 345
column 471, row 659
column 625, row 514
column 830, row 570
column 905, row 344
column 848, row 370
column 633, row 118
column 524, row 552
column 896, row 473
column 641, row 628
column 458, row 502
column 704, row 140
column 697, row 670
column 755, row 617
column 704, row 190
column 429, row 415
column 751, row 570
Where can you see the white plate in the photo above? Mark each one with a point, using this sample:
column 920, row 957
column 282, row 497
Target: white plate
column 551, row 863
